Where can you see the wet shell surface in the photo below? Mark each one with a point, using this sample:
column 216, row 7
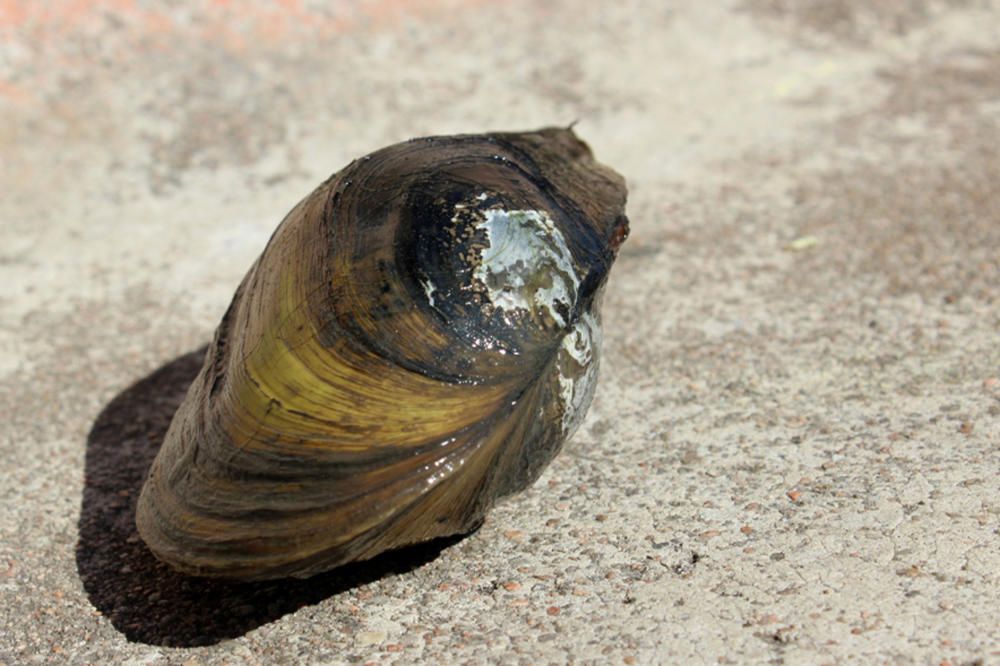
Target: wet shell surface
column 419, row 337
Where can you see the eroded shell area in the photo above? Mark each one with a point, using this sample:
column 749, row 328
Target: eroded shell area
column 524, row 268
column 519, row 262
column 577, row 366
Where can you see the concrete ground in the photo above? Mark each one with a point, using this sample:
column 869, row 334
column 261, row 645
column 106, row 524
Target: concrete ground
column 794, row 450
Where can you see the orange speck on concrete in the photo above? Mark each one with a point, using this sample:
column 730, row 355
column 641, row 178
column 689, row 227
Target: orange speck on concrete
column 158, row 24
column 74, row 11
column 124, row 6
column 12, row 92
column 12, row 13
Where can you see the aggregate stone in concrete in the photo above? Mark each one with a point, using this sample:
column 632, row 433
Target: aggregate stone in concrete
column 794, row 449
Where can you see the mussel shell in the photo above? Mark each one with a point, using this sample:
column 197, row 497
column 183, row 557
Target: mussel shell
column 419, row 337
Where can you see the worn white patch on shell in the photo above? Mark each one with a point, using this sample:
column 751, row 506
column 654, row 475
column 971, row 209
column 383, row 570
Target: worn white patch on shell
column 527, row 264
column 429, row 289
column 579, row 357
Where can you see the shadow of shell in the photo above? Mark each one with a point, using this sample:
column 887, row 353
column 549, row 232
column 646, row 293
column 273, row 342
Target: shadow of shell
column 142, row 597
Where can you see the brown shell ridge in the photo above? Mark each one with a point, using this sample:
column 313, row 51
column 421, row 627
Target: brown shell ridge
column 305, row 504
column 479, row 450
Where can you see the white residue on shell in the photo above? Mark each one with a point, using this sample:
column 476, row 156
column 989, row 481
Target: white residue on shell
column 429, row 289
column 527, row 265
column 577, row 367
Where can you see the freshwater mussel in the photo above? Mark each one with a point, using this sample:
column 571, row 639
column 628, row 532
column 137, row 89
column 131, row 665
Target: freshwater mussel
column 418, row 338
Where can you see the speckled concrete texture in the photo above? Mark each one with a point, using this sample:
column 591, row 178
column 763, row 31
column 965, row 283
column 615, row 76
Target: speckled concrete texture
column 794, row 451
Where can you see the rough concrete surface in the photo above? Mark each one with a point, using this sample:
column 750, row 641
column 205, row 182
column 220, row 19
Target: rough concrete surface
column 794, row 450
